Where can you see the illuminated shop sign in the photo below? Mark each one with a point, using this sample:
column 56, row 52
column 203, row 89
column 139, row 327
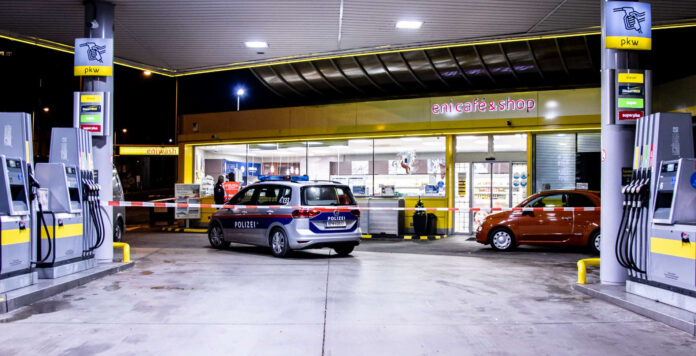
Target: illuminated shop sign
column 148, row 151
column 482, row 105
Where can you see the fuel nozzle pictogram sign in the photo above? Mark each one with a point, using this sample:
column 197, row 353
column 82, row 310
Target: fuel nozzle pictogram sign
column 632, row 18
column 94, row 51
column 94, row 56
column 627, row 25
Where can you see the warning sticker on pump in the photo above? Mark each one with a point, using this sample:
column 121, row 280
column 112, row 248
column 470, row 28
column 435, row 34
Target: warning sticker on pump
column 626, row 173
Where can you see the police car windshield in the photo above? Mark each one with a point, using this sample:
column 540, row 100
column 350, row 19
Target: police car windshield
column 327, row 195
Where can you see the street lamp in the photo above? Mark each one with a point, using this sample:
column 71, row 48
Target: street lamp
column 240, row 93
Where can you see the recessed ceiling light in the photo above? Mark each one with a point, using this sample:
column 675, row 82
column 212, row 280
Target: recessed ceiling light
column 409, row 25
column 411, row 138
column 256, row 44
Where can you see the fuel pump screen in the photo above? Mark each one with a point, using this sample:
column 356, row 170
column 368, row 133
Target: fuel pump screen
column 11, row 163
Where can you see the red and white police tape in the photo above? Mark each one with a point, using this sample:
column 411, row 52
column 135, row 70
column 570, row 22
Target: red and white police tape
column 145, row 204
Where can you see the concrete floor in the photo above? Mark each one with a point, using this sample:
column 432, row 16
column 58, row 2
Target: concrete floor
column 448, row 297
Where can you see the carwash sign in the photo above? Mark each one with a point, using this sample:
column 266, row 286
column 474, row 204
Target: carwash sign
column 628, row 25
column 507, row 104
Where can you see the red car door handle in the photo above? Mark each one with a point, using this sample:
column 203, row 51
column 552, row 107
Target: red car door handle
column 567, row 218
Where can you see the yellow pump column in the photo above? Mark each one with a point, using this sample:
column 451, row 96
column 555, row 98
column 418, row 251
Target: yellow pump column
column 449, row 179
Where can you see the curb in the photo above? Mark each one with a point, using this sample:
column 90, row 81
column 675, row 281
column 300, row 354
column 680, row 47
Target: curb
column 405, row 237
column 46, row 288
column 182, row 229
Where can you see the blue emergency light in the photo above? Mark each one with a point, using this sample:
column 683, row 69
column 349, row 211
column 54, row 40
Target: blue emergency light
column 290, row 178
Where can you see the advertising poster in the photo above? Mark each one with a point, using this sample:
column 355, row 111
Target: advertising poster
column 189, row 194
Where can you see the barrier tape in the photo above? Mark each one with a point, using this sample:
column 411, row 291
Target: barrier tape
column 145, row 204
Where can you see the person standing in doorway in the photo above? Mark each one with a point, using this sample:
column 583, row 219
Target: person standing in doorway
column 219, row 191
column 231, row 186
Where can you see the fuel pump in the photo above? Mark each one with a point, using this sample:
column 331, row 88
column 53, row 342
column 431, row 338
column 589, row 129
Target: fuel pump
column 61, row 244
column 657, row 236
column 659, row 137
column 16, row 238
column 672, row 259
column 73, row 209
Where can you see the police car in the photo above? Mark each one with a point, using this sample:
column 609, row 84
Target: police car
column 289, row 213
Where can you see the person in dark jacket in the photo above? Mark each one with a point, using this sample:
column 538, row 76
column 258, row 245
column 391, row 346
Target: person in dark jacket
column 219, row 191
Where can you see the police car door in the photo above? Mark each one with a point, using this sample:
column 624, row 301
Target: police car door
column 269, row 213
column 241, row 224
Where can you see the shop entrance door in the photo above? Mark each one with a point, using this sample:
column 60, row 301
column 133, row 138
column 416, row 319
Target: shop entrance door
column 462, row 218
column 490, row 188
column 519, row 182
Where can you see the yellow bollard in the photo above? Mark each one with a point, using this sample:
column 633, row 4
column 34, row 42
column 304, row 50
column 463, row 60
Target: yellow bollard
column 582, row 268
column 126, row 251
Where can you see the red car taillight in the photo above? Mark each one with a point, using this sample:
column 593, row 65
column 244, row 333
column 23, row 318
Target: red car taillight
column 356, row 213
column 305, row 213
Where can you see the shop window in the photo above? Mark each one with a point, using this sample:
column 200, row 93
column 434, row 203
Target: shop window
column 555, row 162
column 410, row 166
column 283, row 159
column 510, row 143
column 210, row 162
column 468, row 143
column 568, row 161
column 346, row 161
column 588, row 161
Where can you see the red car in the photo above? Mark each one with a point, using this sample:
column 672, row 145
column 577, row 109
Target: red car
column 505, row 230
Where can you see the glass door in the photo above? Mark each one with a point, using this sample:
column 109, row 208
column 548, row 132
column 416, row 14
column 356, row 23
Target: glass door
column 491, row 188
column 519, row 182
column 461, row 199
column 500, row 189
column 481, row 184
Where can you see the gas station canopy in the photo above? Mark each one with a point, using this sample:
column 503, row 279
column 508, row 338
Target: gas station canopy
column 185, row 37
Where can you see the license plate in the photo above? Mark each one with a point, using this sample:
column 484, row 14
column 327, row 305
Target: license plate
column 335, row 223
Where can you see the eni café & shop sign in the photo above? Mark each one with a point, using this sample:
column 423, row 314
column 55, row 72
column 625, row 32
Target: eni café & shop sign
column 481, row 105
column 148, row 151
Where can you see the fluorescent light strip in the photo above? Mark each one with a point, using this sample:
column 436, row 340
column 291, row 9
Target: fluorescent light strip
column 256, row 44
column 409, row 25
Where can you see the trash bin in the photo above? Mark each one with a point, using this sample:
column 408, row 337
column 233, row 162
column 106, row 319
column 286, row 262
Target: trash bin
column 420, row 219
column 432, row 224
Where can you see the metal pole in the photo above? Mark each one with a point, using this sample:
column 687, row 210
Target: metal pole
column 617, row 142
column 99, row 23
column 237, row 102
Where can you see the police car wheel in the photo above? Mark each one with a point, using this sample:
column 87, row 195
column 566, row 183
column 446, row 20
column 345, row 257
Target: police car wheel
column 215, row 236
column 279, row 243
column 343, row 250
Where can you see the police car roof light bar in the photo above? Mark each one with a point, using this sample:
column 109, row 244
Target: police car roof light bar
column 290, row 178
